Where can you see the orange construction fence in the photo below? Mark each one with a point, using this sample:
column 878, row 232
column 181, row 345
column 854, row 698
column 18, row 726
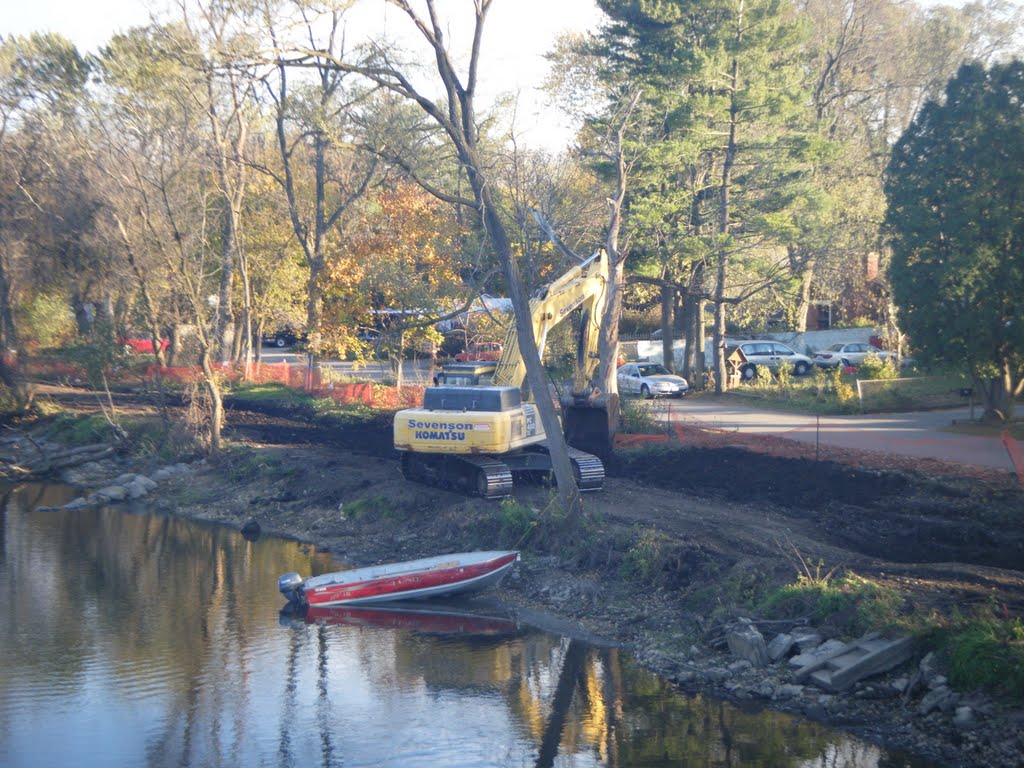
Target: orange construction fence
column 303, row 377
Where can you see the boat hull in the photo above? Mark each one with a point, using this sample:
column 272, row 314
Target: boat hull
column 413, row 580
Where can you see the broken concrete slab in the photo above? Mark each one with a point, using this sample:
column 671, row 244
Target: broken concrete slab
column 746, row 642
column 862, row 658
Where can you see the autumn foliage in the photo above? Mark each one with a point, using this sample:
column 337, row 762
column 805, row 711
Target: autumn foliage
column 403, row 253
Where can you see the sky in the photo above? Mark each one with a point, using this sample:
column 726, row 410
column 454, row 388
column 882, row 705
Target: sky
column 517, row 34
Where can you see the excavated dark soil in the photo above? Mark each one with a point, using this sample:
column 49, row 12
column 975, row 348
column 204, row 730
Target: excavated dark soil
column 895, row 516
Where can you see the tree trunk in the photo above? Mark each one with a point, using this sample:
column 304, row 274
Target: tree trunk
column 397, row 359
column 568, row 491
column 216, row 400
column 608, row 341
column 721, row 382
column 8, row 330
column 668, row 299
column 805, row 271
column 224, row 319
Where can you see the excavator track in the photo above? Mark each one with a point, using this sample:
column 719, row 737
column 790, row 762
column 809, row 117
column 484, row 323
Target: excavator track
column 589, row 470
column 480, row 475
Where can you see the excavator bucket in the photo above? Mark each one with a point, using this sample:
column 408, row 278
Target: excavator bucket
column 589, row 423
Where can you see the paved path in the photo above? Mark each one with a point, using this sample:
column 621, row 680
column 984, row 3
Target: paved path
column 927, row 434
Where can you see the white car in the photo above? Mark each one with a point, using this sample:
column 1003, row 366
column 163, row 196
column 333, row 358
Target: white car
column 773, row 355
column 650, row 380
column 849, row 354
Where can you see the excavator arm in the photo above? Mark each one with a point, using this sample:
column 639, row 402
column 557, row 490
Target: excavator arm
column 582, row 287
column 589, row 417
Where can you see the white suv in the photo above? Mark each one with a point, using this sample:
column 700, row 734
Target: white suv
column 773, row 355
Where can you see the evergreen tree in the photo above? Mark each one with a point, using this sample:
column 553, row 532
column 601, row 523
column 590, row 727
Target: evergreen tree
column 956, row 216
column 725, row 81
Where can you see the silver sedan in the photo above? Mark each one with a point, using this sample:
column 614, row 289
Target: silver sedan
column 849, row 354
column 650, row 380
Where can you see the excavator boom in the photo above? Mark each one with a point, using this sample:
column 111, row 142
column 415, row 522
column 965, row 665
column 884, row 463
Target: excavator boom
column 582, row 287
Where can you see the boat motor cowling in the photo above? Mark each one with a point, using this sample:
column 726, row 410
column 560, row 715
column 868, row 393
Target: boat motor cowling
column 290, row 585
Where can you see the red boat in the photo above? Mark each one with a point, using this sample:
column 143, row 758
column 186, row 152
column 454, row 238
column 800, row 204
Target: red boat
column 410, row 580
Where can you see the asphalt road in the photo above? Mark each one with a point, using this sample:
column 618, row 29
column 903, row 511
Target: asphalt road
column 926, row 434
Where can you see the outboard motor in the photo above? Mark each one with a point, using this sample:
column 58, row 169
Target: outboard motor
column 290, row 585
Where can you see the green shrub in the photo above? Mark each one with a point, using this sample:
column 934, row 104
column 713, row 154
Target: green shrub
column 636, row 418
column 784, row 380
column 517, row 521
column 762, row 376
column 646, row 558
column 376, row 506
column 874, row 367
column 48, row 320
column 843, row 391
column 854, row 604
column 985, row 652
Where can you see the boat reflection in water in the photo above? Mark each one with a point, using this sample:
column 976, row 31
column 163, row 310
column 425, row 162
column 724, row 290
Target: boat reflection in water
column 435, row 618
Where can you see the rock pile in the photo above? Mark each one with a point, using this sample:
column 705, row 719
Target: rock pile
column 904, row 705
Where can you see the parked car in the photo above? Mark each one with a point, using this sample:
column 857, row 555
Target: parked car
column 650, row 380
column 137, row 343
column 849, row 354
column 369, row 335
column 283, row 336
column 773, row 355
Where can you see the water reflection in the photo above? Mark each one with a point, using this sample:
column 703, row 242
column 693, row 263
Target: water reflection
column 139, row 639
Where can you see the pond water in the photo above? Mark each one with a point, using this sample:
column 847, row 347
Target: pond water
column 135, row 639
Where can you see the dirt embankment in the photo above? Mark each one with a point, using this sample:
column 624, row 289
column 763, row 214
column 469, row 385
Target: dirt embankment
column 729, row 522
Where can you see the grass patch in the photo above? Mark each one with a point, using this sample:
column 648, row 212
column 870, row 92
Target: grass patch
column 986, row 652
column 75, row 429
column 1015, row 428
column 851, row 604
column 834, row 392
column 377, row 507
column 346, row 413
column 168, row 442
column 271, row 392
column 240, row 464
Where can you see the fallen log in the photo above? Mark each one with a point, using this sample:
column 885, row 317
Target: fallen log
column 63, row 459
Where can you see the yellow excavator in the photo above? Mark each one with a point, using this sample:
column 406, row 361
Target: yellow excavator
column 473, row 436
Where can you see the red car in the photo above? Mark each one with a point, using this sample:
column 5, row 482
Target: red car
column 142, row 344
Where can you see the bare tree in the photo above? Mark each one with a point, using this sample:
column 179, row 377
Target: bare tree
column 322, row 119
column 455, row 113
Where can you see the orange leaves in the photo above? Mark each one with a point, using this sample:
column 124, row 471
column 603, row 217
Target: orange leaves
column 404, row 244
column 402, row 252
